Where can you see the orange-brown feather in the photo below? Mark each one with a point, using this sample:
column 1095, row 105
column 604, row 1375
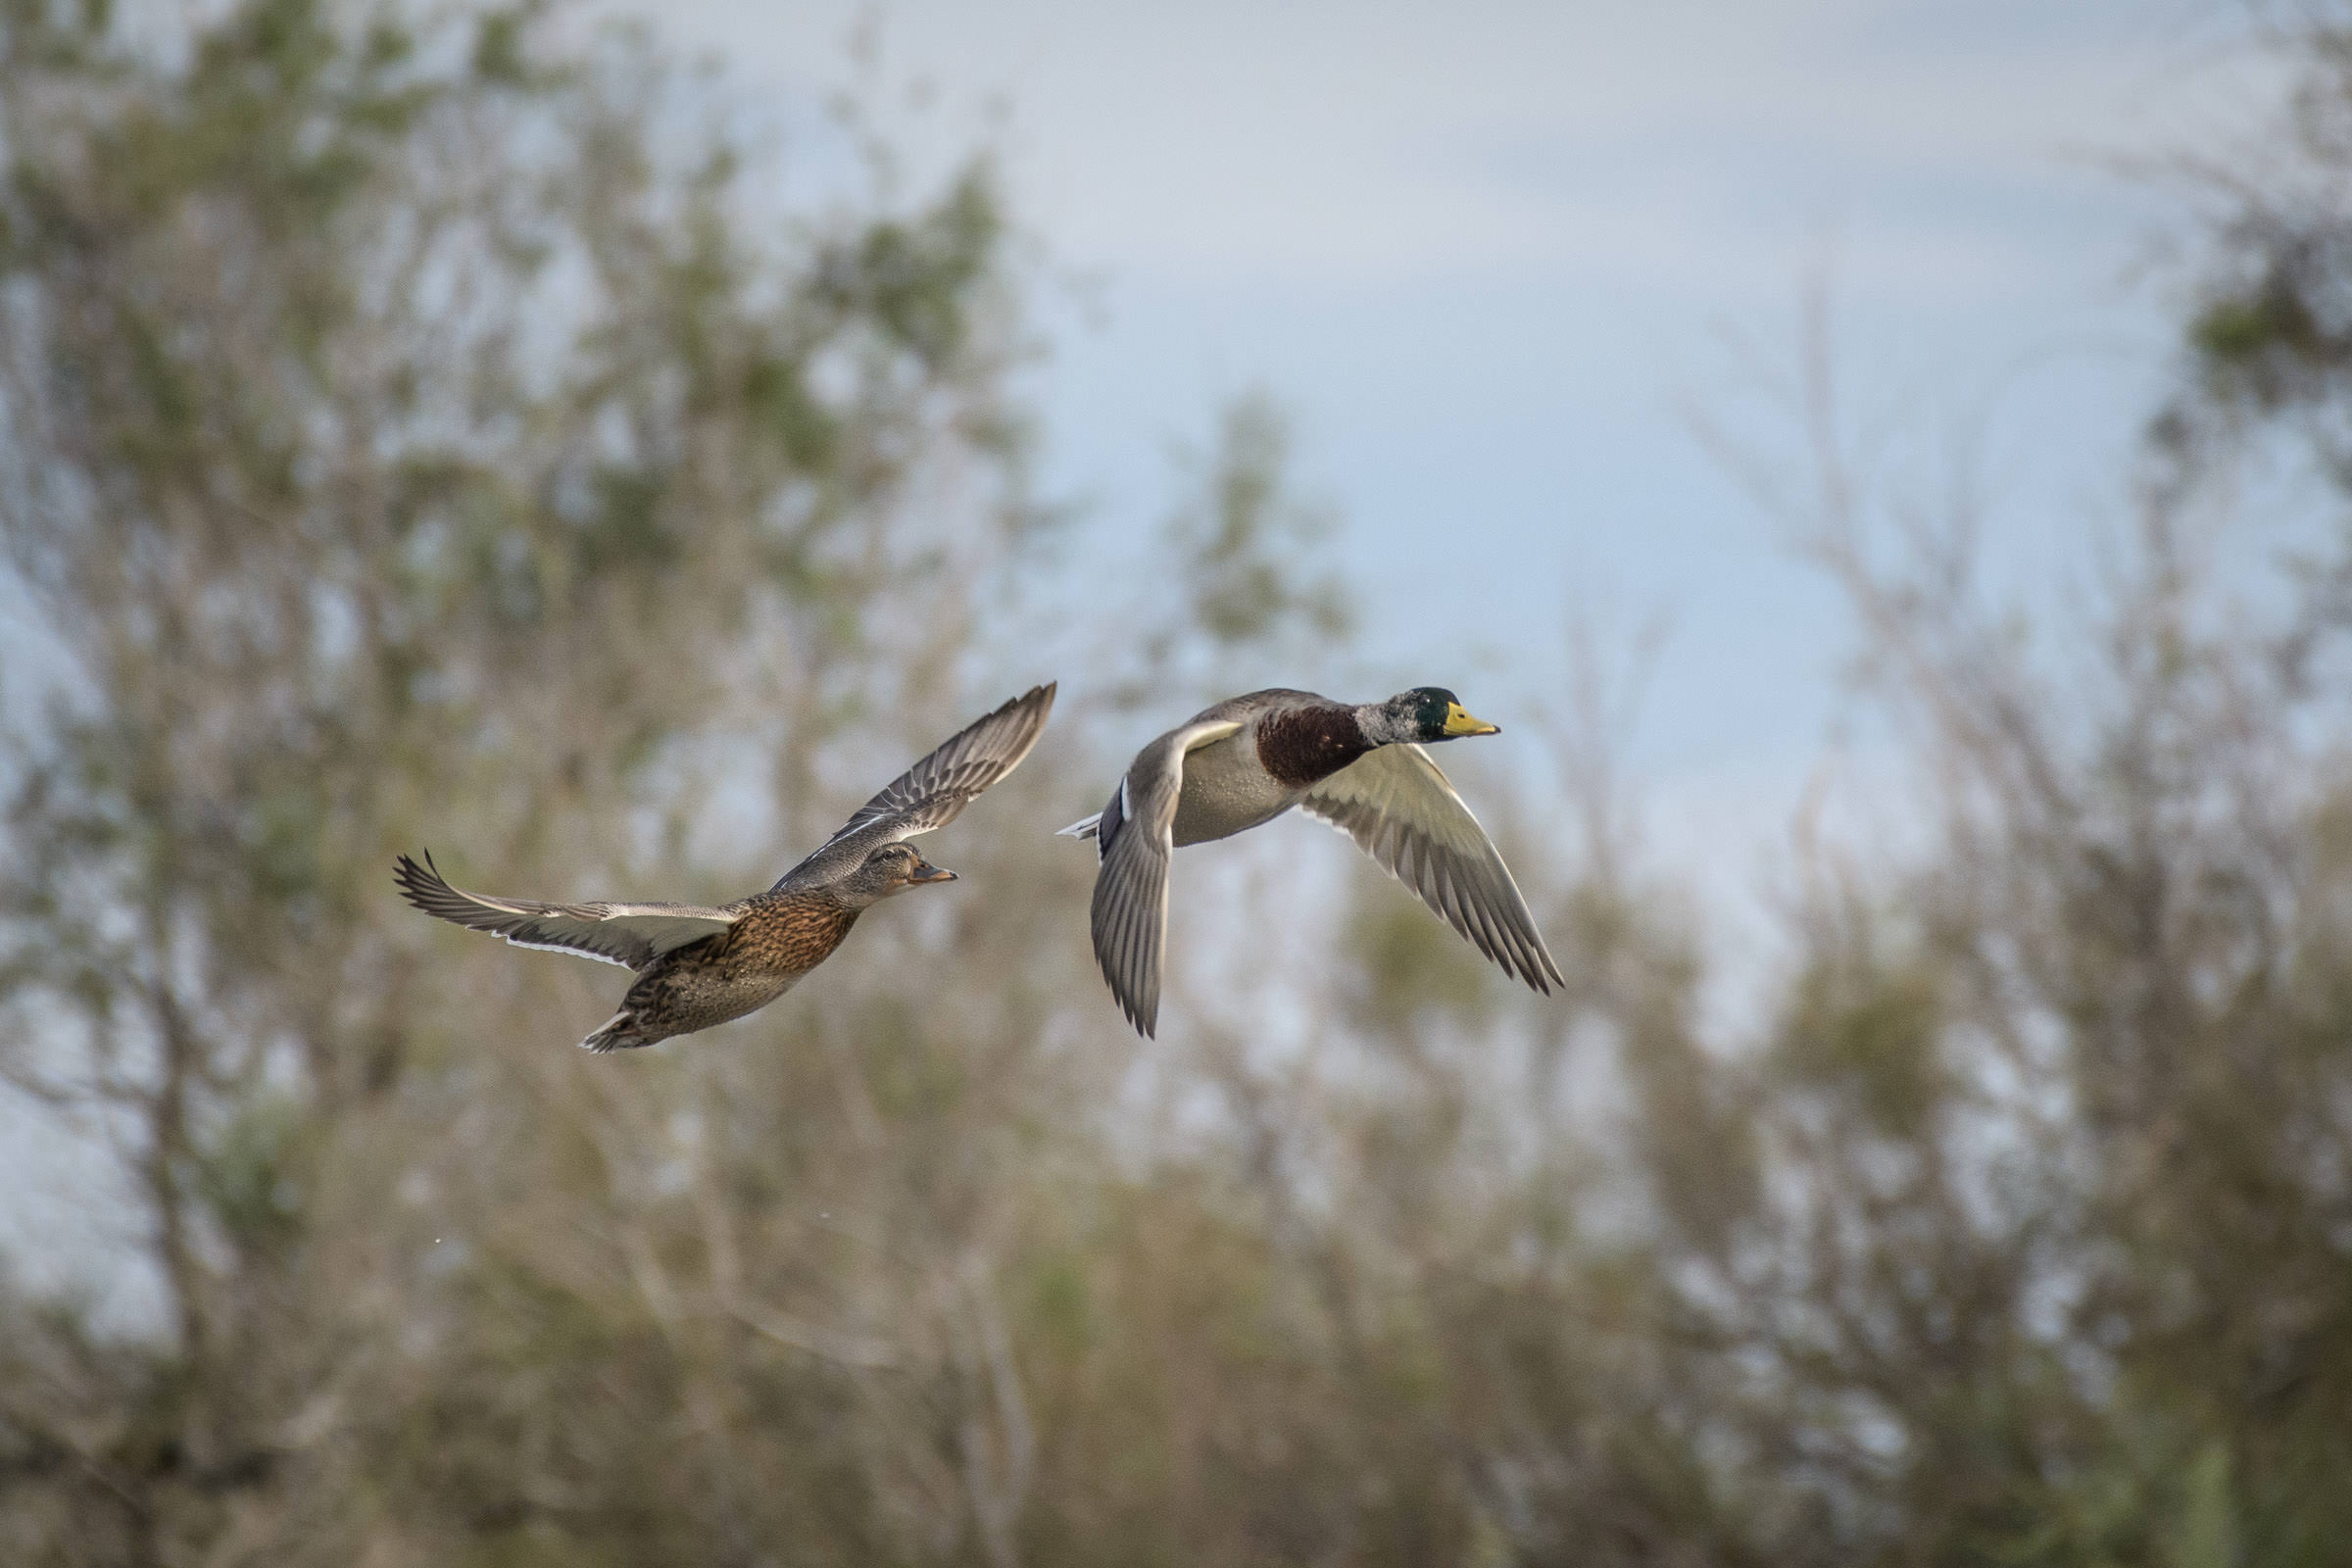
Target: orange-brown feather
column 781, row 938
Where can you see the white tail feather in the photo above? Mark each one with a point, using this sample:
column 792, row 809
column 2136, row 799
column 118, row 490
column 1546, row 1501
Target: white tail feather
column 619, row 1033
column 1081, row 829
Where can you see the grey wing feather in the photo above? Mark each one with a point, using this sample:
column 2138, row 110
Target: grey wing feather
column 1402, row 810
column 1130, row 911
column 1131, row 923
column 935, row 791
column 1250, row 704
column 631, row 935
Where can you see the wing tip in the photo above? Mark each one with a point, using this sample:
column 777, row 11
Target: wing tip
column 419, row 884
column 617, row 1033
column 1142, row 1016
column 1533, row 962
column 1037, row 702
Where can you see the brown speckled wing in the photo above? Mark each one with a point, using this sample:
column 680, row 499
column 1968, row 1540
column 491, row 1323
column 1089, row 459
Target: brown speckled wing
column 632, row 934
column 934, row 791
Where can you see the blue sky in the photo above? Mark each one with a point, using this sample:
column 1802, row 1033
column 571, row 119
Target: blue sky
column 1487, row 254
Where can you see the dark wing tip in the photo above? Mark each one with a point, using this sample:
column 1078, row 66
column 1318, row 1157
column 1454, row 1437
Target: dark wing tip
column 1541, row 970
column 418, row 883
column 1535, row 965
column 424, row 887
column 1142, row 1018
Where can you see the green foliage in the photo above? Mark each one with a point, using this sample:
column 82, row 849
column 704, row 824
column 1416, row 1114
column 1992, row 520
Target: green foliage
column 1240, row 535
column 249, row 1179
column 1409, row 964
column 1858, row 1025
column 407, row 438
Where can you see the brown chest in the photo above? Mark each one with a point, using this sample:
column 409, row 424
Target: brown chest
column 1306, row 744
column 789, row 935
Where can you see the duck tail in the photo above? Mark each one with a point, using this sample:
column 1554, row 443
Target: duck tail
column 619, row 1033
column 1082, row 829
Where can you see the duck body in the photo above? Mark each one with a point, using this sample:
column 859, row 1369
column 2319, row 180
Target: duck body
column 1360, row 767
column 777, row 939
column 1288, row 742
column 701, row 966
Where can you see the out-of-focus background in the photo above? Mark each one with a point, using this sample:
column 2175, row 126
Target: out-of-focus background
column 1882, row 464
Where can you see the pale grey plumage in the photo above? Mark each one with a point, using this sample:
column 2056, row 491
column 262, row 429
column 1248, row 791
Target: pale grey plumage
column 1130, row 911
column 1400, row 808
column 1248, row 759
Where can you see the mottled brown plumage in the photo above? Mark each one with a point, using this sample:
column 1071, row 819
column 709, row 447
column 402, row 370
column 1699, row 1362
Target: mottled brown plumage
column 701, row 966
column 778, row 938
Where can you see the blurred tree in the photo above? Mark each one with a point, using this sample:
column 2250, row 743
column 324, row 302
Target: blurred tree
column 404, row 425
column 2048, row 1258
column 1244, row 538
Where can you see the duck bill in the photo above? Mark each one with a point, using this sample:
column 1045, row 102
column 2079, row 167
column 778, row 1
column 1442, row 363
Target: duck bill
column 1458, row 722
column 927, row 872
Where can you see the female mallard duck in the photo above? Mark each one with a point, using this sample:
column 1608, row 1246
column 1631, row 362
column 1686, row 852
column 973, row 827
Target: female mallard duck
column 1362, row 770
column 697, row 966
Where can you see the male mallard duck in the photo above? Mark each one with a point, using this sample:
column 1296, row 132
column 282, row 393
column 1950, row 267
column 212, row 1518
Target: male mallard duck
column 1362, row 770
column 697, row 966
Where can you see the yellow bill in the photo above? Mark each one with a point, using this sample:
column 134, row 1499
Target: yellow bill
column 1459, row 722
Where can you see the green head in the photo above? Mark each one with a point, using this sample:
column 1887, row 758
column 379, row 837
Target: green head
column 1429, row 713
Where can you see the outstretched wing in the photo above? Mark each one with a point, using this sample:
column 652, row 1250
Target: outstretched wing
column 935, row 791
column 632, row 934
column 1401, row 811
column 1136, row 838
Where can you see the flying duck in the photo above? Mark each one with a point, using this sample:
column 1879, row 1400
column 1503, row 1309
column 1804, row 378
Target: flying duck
column 699, row 966
column 1361, row 770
